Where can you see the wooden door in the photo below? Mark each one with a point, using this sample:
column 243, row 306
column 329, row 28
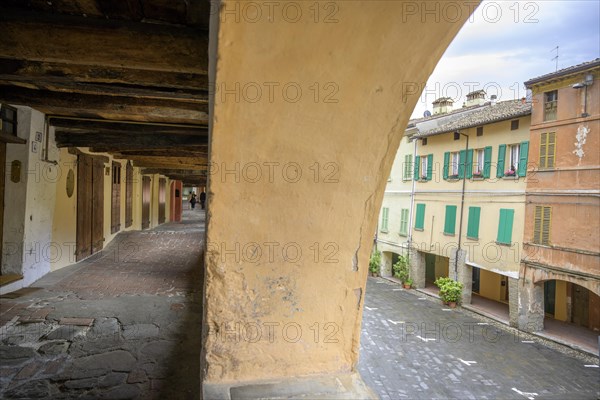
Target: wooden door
column 84, row 207
column 97, row 206
column 115, row 209
column 90, row 206
column 581, row 303
column 128, row 195
column 2, row 175
column 162, row 197
column 146, row 194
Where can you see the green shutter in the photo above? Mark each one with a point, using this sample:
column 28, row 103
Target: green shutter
column 420, row 217
column 407, row 166
column 384, row 219
column 500, row 165
column 404, row 222
column 473, row 224
column 523, row 153
column 429, row 166
column 450, row 222
column 469, row 163
column 446, row 164
column 505, row 226
column 461, row 164
column 417, row 166
column 487, row 161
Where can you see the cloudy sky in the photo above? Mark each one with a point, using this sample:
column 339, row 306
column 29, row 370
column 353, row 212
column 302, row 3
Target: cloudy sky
column 508, row 42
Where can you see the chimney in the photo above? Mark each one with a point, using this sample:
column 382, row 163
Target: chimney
column 442, row 105
column 493, row 100
column 475, row 98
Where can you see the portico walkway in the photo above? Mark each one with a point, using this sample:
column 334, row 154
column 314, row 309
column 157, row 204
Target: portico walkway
column 122, row 324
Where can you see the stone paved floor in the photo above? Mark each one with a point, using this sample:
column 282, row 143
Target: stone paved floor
column 414, row 348
column 122, row 324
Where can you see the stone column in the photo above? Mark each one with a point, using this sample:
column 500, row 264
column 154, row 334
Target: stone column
column 417, row 267
column 530, row 317
column 464, row 275
column 307, row 115
column 386, row 263
column 513, row 302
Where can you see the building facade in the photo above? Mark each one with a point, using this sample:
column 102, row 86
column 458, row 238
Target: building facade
column 61, row 204
column 468, row 202
column 561, row 267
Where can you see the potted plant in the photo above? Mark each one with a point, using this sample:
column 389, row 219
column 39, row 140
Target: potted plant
column 408, row 283
column 478, row 174
column 453, row 176
column 375, row 263
column 441, row 282
column 424, row 177
column 400, row 269
column 511, row 172
column 451, row 293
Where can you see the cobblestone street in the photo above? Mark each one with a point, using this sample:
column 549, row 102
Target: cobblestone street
column 122, row 324
column 413, row 347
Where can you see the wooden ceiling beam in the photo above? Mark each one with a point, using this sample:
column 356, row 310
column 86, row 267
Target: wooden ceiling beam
column 129, row 142
column 56, row 73
column 86, row 126
column 106, row 107
column 102, row 42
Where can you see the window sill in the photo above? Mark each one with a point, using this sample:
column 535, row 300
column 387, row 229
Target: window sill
column 382, row 231
column 503, row 244
column 478, row 178
column 449, row 234
column 472, row 238
column 423, row 180
column 419, row 229
column 452, row 178
column 403, row 234
column 511, row 178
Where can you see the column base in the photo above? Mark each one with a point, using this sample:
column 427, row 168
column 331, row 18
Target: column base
column 338, row 386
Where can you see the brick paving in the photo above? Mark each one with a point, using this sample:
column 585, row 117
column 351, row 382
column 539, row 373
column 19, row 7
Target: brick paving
column 413, row 347
column 125, row 323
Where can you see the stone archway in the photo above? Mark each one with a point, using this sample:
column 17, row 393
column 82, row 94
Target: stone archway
column 306, row 121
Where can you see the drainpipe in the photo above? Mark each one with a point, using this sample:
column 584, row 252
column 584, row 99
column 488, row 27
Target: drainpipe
column 412, row 197
column 462, row 204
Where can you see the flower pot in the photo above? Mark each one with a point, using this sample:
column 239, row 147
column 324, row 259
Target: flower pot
column 452, row 304
column 406, row 286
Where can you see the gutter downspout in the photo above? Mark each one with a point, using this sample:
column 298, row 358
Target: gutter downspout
column 412, row 196
column 462, row 205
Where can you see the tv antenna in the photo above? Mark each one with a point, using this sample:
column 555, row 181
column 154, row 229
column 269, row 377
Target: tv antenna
column 555, row 57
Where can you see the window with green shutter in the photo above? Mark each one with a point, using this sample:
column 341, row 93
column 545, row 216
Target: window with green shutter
column 429, row 167
column 446, row 165
column 384, row 219
column 523, row 154
column 541, row 225
column 408, row 167
column 420, row 217
column 547, row 149
column 500, row 165
column 487, row 162
column 416, row 169
column 450, row 221
column 404, row 222
column 473, row 223
column 505, row 225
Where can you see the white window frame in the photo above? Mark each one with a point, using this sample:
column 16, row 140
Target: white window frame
column 454, row 163
column 512, row 156
column 479, row 161
column 423, row 170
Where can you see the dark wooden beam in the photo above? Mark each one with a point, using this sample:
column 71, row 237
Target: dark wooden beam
column 86, row 126
column 106, row 107
column 179, row 172
column 67, row 85
column 128, row 142
column 102, row 42
column 176, row 152
column 56, row 73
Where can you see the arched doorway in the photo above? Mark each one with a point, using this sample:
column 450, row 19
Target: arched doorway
column 569, row 302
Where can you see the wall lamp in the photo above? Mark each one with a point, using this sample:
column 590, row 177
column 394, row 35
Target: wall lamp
column 589, row 79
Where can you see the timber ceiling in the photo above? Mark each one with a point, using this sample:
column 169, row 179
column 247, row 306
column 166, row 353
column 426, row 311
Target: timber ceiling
column 127, row 77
